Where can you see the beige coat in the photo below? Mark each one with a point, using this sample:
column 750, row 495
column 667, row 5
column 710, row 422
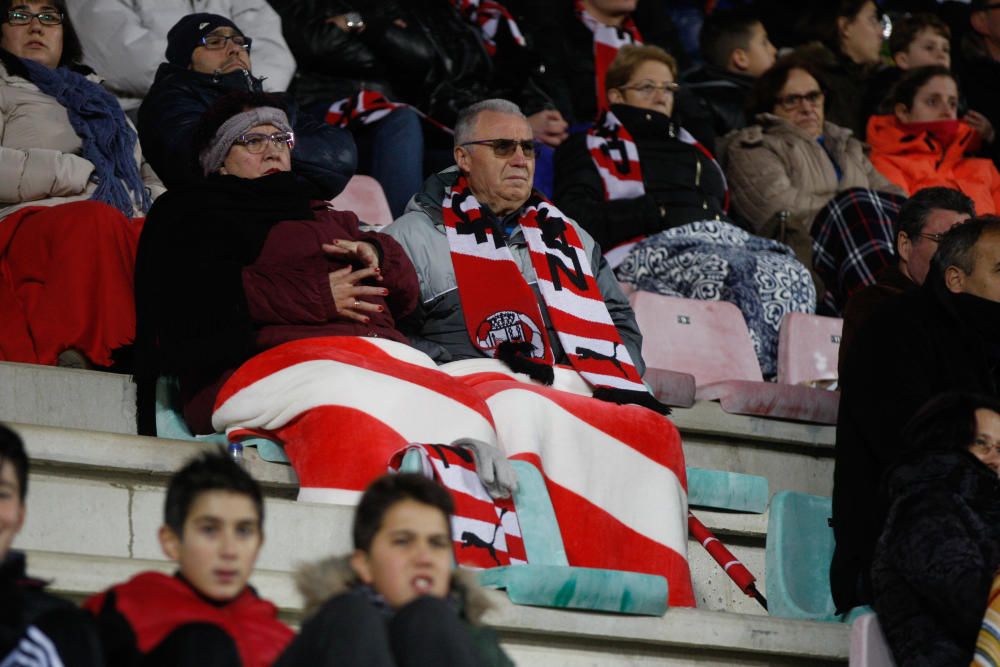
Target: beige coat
column 40, row 163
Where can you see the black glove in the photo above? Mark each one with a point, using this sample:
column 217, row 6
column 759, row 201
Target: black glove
column 627, row 396
column 518, row 358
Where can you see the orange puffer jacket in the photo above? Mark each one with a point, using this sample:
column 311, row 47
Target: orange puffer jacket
column 917, row 160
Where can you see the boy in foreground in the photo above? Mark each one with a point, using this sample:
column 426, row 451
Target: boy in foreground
column 206, row 613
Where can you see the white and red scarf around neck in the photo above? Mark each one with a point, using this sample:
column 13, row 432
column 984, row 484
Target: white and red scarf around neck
column 607, row 40
column 500, row 306
column 487, row 15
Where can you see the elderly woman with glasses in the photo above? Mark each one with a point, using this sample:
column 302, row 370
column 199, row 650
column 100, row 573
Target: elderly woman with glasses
column 657, row 203
column 73, row 190
column 792, row 165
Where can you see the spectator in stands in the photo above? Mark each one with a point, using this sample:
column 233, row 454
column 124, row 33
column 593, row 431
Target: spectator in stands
column 125, row 41
column 637, row 173
column 397, row 600
column 208, row 56
column 36, row 628
column 920, row 142
column 982, row 65
column 206, row 613
column 923, row 220
column 784, row 169
column 73, row 189
column 848, row 58
column 938, row 554
column 941, row 337
column 736, row 49
column 477, row 235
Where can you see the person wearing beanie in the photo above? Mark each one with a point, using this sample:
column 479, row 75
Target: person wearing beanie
column 207, row 56
column 125, row 41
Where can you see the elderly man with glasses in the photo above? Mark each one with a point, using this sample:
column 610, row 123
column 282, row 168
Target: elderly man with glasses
column 520, row 299
column 208, row 56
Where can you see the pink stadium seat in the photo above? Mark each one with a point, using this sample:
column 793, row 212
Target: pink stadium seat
column 808, row 346
column 364, row 196
column 868, row 645
column 709, row 340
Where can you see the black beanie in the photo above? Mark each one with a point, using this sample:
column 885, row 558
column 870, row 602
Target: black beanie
column 186, row 35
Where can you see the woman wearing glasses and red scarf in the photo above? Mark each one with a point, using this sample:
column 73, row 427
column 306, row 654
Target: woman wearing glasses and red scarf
column 73, row 190
column 793, row 167
column 656, row 201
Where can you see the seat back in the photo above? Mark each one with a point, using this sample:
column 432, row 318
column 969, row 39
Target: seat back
column 868, row 645
column 808, row 348
column 364, row 196
column 708, row 339
column 797, row 557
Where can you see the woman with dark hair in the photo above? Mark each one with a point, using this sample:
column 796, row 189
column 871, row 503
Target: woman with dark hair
column 940, row 547
column 73, row 190
column 920, row 142
column 785, row 169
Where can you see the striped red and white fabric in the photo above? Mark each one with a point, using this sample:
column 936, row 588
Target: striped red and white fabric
column 615, row 473
column 607, row 40
column 343, row 405
column 368, row 106
column 487, row 15
column 485, row 529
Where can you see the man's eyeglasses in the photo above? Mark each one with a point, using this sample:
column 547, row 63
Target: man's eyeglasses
column 932, row 237
column 256, row 142
column 504, row 148
column 650, row 89
column 22, row 17
column 789, row 102
column 215, row 42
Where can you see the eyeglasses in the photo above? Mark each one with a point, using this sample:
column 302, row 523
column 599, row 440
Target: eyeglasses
column 650, row 89
column 504, row 148
column 22, row 17
column 789, row 102
column 215, row 42
column 256, row 142
column 932, row 237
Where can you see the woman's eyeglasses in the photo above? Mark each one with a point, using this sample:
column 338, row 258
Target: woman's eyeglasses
column 215, row 42
column 256, row 142
column 650, row 89
column 504, row 148
column 789, row 102
column 22, row 17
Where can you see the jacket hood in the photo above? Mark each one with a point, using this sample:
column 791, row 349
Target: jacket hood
column 320, row 580
column 428, row 200
column 238, row 80
column 887, row 135
column 771, row 124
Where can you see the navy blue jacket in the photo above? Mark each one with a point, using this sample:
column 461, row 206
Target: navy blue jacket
column 173, row 108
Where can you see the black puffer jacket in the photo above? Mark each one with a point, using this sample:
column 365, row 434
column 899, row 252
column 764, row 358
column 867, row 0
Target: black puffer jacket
column 935, row 561
column 420, row 51
column 721, row 96
column 677, row 177
column 173, row 108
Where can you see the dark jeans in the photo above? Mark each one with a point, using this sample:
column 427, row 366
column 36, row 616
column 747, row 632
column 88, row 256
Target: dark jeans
column 391, row 151
column 349, row 630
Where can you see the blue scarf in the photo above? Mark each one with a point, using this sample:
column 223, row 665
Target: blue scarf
column 108, row 140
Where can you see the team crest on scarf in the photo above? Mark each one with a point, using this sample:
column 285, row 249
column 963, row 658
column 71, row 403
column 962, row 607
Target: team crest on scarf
column 499, row 305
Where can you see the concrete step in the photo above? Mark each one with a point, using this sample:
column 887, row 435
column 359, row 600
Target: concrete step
column 545, row 637
column 793, row 456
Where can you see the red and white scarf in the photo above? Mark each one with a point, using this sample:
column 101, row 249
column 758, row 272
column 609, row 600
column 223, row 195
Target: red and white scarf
column 607, row 40
column 485, row 530
column 487, row 15
column 500, row 306
column 616, row 157
column 368, row 107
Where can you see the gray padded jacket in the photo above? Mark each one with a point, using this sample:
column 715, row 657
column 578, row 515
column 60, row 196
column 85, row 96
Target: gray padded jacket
column 438, row 325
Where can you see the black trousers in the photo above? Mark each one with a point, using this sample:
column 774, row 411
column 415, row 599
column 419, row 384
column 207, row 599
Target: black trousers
column 349, row 630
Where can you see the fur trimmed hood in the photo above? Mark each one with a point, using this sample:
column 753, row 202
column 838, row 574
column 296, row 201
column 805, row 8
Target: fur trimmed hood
column 320, row 580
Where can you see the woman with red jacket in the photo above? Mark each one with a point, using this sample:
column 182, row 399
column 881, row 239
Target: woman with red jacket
column 921, row 143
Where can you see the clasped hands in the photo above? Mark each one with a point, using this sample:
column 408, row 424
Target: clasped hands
column 346, row 283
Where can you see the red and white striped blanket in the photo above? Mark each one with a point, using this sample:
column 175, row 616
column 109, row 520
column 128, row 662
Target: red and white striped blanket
column 343, row 406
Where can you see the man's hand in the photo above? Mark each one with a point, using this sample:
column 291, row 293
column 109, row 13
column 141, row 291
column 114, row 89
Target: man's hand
column 348, row 293
column 361, row 252
column 549, row 127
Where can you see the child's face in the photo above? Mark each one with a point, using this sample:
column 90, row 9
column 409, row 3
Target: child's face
column 929, row 47
column 218, row 545
column 410, row 556
column 11, row 507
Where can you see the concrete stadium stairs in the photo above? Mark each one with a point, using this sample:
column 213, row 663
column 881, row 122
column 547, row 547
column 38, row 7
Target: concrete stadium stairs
column 96, row 497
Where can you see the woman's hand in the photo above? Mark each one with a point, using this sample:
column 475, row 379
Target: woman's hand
column 348, row 292
column 361, row 252
column 982, row 125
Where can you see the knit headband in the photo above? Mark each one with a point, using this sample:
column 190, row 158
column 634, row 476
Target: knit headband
column 214, row 154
